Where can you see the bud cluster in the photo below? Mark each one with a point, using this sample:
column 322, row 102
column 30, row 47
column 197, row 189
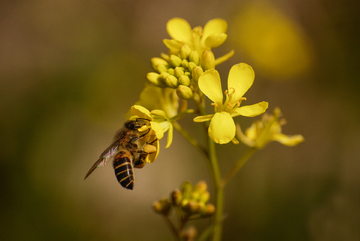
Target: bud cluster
column 191, row 201
column 181, row 70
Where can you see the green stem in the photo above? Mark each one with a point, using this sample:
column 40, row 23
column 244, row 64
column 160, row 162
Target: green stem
column 242, row 160
column 218, row 190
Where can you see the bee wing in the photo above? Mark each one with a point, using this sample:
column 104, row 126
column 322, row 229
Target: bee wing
column 104, row 157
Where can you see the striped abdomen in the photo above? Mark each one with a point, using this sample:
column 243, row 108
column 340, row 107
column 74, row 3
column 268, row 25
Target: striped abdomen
column 124, row 169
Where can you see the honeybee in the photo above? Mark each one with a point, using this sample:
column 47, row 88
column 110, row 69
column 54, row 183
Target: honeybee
column 129, row 151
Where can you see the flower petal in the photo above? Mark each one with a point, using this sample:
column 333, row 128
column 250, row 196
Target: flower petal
column 203, row 118
column 288, row 140
column 241, row 77
column 215, row 40
column 214, row 26
column 251, row 110
column 140, row 111
column 179, row 29
column 210, row 85
column 159, row 132
column 173, row 44
column 170, row 136
column 222, row 128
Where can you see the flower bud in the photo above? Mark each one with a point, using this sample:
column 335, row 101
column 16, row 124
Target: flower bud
column 197, row 71
column 191, row 66
column 201, row 186
column 208, row 210
column 185, row 63
column 171, row 71
column 185, row 51
column 179, row 71
column 184, row 92
column 155, row 79
column 156, row 61
column 204, row 197
column 176, row 197
column 175, row 60
column 162, row 206
column 184, row 80
column 164, row 75
column 194, row 57
column 191, row 207
column 162, row 68
column 208, row 60
column 186, row 189
column 172, row 81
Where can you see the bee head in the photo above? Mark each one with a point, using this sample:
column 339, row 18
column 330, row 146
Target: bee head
column 136, row 124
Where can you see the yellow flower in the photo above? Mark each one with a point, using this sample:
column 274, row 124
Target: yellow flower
column 164, row 99
column 222, row 127
column 213, row 35
column 260, row 133
column 159, row 124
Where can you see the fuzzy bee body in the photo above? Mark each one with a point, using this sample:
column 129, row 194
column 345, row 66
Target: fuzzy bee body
column 128, row 150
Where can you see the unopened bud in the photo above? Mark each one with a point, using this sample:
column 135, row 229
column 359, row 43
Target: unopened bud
column 155, row 79
column 184, row 80
column 172, row 81
column 191, row 66
column 156, row 61
column 185, row 63
column 186, row 189
column 208, row 60
column 204, row 198
column 194, row 57
column 201, row 186
column 179, row 71
column 171, row 71
column 162, row 68
column 162, row 206
column 184, row 92
column 175, row 60
column 208, row 210
column 176, row 197
column 185, row 51
column 197, row 71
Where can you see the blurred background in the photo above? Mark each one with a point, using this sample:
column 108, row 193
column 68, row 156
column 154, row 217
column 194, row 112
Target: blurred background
column 71, row 69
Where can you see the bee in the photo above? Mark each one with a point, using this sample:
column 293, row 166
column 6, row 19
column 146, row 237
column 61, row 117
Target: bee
column 128, row 149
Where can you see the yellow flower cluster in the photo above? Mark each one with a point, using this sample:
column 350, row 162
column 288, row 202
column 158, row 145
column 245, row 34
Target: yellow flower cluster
column 189, row 56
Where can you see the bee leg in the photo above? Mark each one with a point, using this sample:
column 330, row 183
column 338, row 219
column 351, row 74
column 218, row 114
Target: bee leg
column 140, row 162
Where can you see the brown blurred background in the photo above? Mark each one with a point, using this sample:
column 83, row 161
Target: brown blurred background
column 69, row 70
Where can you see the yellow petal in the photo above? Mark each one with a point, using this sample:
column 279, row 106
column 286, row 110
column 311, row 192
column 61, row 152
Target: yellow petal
column 214, row 26
column 141, row 112
column 159, row 113
column 173, row 44
column 288, row 140
column 157, row 129
column 203, row 118
column 251, row 110
column 170, row 136
column 215, row 40
column 210, row 85
column 225, row 57
column 179, row 29
column 222, row 128
column 241, row 77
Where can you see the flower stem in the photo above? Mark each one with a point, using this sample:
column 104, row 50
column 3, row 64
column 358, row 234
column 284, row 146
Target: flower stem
column 242, row 160
column 218, row 190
